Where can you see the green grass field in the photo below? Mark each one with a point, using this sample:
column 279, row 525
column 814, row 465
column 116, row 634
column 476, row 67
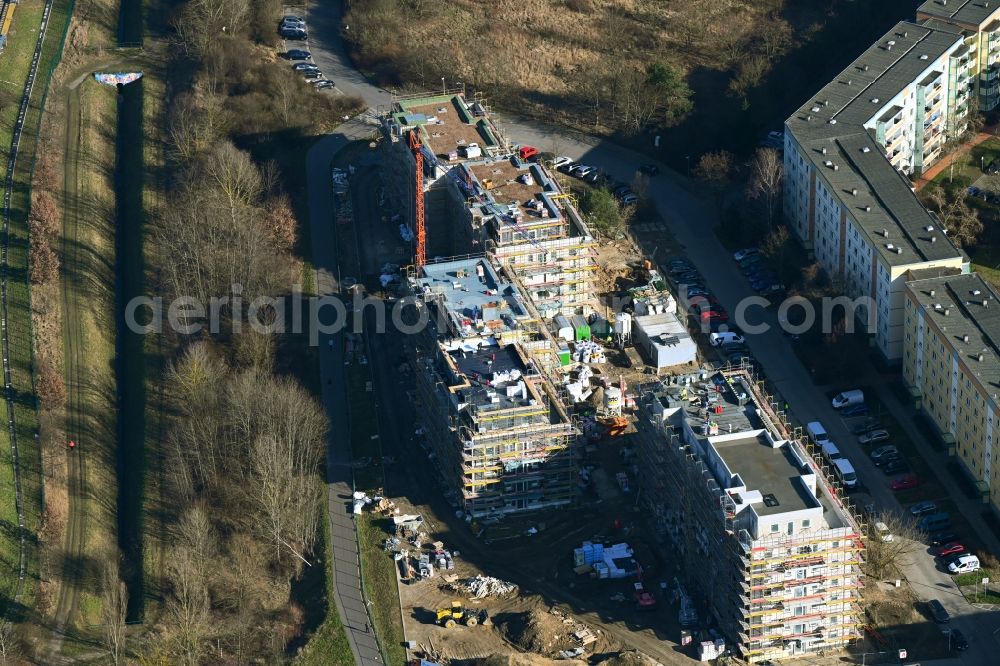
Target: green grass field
column 14, row 64
column 328, row 646
column 378, row 573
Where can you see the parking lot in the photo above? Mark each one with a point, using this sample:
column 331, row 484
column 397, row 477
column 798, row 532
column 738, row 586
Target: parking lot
column 294, row 31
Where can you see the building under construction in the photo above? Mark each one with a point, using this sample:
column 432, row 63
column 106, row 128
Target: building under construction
column 768, row 549
column 501, row 437
column 480, row 197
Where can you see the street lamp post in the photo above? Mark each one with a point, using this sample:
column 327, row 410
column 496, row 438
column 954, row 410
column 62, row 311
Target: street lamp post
column 444, row 87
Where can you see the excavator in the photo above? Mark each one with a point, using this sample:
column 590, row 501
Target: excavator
column 457, row 614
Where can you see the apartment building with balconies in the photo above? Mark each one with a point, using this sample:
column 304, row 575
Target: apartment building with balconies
column 951, row 367
column 979, row 23
column 847, row 155
column 494, row 424
column 765, row 543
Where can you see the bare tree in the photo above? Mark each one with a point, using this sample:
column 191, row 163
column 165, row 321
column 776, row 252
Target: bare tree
column 10, row 644
column 888, row 549
column 187, row 607
column 960, row 221
column 715, row 170
column 113, row 610
column 748, row 76
column 766, row 173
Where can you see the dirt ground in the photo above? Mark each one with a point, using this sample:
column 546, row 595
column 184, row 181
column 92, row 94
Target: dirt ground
column 552, row 602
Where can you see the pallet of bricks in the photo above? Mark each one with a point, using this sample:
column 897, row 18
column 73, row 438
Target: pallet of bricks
column 342, row 206
column 6, row 18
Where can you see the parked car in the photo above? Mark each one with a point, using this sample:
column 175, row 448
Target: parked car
column 595, row 177
column 855, row 410
column 630, row 199
column 940, row 538
column 323, row 84
column 303, row 66
column 293, row 22
column 964, row 564
column 698, row 291
column 904, row 482
column 312, row 74
column 958, row 641
column 560, row 161
column 952, row 548
column 938, row 611
column 923, row 508
column 897, row 466
column 884, row 452
column 847, row 398
column 740, row 255
column 649, row 170
column 718, row 339
column 865, row 426
column 298, row 54
column 293, row 33
column 874, row 436
column 565, row 167
column 883, row 531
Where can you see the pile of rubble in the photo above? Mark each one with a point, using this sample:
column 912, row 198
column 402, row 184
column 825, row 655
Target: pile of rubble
column 480, row 587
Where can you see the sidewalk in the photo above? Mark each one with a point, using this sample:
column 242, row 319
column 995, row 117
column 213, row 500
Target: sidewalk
column 932, row 173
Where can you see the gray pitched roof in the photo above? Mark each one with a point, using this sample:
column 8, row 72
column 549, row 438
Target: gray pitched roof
column 972, row 12
column 854, row 165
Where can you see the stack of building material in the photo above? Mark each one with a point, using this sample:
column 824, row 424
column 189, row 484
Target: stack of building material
column 444, row 560
column 588, row 352
column 480, row 587
column 709, row 650
column 589, row 553
column 425, row 568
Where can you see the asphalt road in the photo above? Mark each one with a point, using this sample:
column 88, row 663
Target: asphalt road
column 345, row 566
column 691, row 219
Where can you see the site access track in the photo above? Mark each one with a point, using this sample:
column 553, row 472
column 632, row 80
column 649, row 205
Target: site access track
column 345, row 565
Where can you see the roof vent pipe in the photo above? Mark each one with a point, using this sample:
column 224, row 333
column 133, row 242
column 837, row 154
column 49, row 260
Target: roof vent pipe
column 854, row 191
column 986, row 303
column 934, row 239
column 965, row 338
column 980, row 357
column 932, row 292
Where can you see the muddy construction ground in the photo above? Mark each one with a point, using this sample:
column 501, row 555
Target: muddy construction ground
column 551, row 602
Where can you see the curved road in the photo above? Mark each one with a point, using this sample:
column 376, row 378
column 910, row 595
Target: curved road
column 691, row 220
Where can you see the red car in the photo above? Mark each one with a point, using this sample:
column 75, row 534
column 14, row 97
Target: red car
column 953, row 548
column 905, row 482
column 717, row 315
column 527, row 152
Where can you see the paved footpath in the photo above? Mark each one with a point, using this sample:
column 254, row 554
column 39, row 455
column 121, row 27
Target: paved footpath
column 340, row 481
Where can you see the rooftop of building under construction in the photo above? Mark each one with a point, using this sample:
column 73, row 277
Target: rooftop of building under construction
column 448, row 126
column 773, row 472
column 474, row 296
column 511, row 182
column 496, row 377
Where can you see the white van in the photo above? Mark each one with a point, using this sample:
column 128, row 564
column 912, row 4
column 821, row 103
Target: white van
column 964, row 564
column 883, row 531
column 817, row 432
column 844, row 470
column 725, row 338
column 853, row 397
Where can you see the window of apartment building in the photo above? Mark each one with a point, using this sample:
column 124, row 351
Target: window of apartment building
column 774, row 528
column 791, row 528
column 800, row 611
column 805, row 523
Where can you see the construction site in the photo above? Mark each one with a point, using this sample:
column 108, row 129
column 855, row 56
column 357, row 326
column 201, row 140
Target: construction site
column 588, row 457
column 732, row 491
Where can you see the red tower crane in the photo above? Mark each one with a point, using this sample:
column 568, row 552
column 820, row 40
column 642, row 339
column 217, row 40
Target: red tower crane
column 421, row 231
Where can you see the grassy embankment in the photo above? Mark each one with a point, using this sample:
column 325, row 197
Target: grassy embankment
column 14, row 65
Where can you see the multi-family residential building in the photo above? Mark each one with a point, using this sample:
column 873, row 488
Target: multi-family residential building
column 951, row 366
column 493, row 422
column 979, row 23
column 847, row 154
column 765, row 544
column 488, row 200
